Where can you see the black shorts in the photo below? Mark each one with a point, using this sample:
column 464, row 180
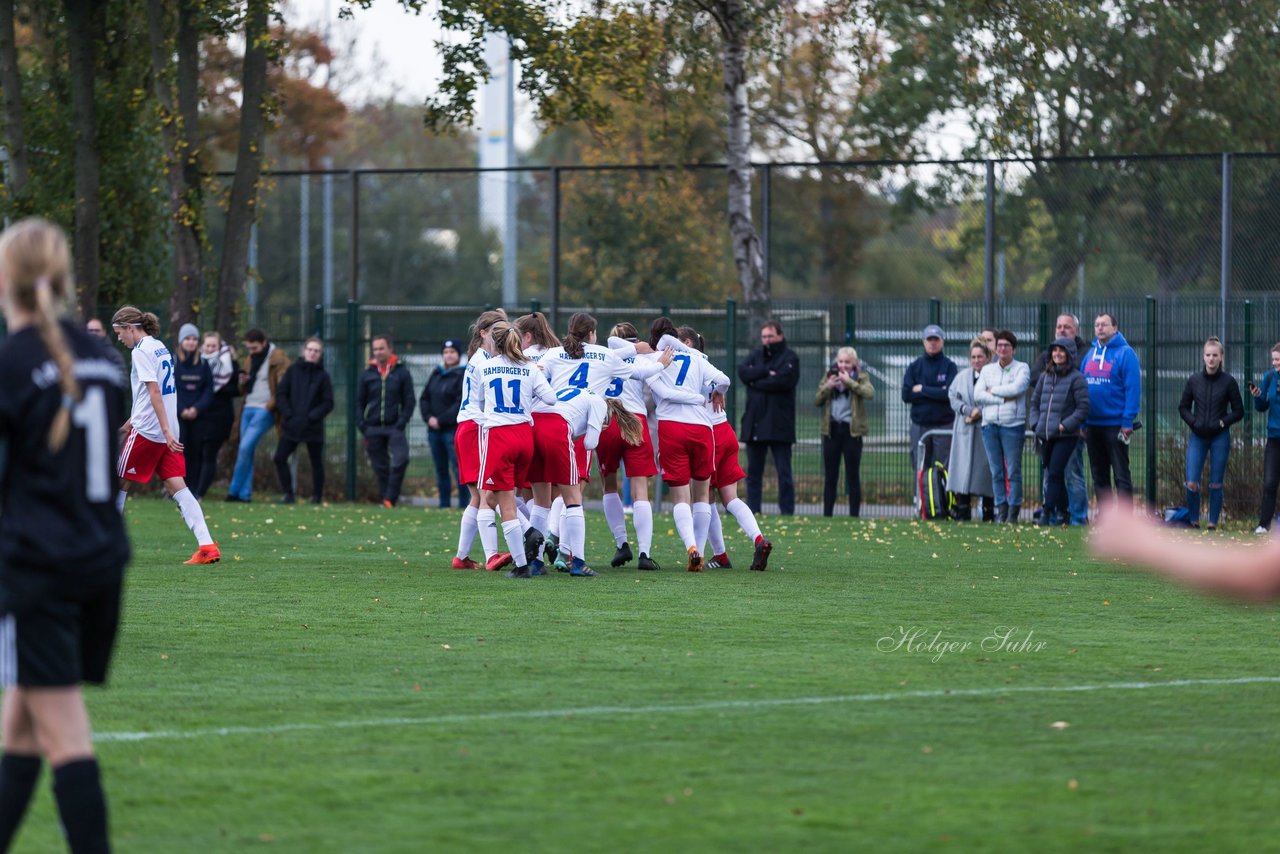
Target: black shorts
column 57, row 630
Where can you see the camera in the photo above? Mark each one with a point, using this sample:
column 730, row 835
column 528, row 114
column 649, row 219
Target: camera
column 832, row 371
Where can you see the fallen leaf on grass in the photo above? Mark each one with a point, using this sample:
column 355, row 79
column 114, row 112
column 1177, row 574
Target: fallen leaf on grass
column 1073, row 784
column 1059, row 725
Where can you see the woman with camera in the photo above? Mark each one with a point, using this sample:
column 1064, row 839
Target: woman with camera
column 843, row 394
column 1266, row 398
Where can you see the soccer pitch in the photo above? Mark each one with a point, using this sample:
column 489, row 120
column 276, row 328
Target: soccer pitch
column 332, row 685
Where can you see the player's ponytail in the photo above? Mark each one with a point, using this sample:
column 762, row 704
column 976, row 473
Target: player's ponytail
column 482, row 324
column 581, row 325
column 661, row 326
column 630, row 426
column 692, row 337
column 128, row 315
column 37, row 266
column 624, row 330
column 506, row 340
column 536, row 325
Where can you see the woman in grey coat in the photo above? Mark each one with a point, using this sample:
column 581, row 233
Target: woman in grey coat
column 1059, row 407
column 968, row 473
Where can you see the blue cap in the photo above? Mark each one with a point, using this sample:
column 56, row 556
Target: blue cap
column 933, row 330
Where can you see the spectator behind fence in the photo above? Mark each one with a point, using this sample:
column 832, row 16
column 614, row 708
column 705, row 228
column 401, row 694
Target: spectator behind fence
column 215, row 422
column 195, row 396
column 924, row 388
column 260, row 373
column 1210, row 405
column 1059, row 406
column 384, row 405
column 1001, row 391
column 304, row 398
column 1111, row 369
column 94, row 327
column 843, row 395
column 1068, row 326
column 770, row 373
column 968, row 473
column 1266, row 398
column 439, row 404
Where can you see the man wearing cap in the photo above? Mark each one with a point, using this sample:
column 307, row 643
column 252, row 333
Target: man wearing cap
column 195, row 395
column 384, row 405
column 924, row 389
column 440, row 401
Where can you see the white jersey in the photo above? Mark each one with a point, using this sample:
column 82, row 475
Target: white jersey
column 718, row 416
column 510, row 388
column 630, row 393
column 584, row 412
column 597, row 368
column 535, row 352
column 681, row 391
column 152, row 363
column 472, row 406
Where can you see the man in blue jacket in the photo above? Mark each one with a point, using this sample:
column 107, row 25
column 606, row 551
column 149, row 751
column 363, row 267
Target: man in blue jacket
column 924, row 388
column 1111, row 369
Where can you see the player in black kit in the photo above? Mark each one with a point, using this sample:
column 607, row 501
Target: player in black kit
column 63, row 547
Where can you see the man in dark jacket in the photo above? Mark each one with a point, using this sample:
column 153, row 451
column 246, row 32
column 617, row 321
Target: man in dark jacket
column 924, row 389
column 770, row 373
column 440, row 401
column 1068, row 326
column 195, row 395
column 303, row 399
column 384, row 405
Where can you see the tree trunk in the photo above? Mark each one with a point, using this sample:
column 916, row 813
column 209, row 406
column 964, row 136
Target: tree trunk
column 80, row 36
column 184, row 198
column 747, row 255
column 11, row 83
column 243, row 205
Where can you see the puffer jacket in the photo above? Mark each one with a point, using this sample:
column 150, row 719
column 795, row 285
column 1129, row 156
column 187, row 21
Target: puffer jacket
column 995, row 386
column 1061, row 398
column 1211, row 403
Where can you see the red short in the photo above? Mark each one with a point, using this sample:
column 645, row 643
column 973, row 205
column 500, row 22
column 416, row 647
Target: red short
column 612, row 451
column 505, row 454
column 685, row 452
column 466, row 442
column 140, row 458
column 557, row 457
column 728, row 469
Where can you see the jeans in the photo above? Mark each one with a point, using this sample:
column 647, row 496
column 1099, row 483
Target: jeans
column 1216, row 450
column 388, row 449
column 1004, row 454
column 445, row 457
column 1077, row 492
column 1270, row 482
column 1058, row 453
column 254, row 423
column 1109, row 456
column 756, row 454
column 315, row 450
column 836, row 447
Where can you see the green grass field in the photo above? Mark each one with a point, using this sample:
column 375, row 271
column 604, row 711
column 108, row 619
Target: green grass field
column 333, row 686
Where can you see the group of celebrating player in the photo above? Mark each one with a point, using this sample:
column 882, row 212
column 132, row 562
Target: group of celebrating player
column 535, row 407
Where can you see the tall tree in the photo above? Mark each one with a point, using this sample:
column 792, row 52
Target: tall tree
column 11, row 86
column 84, row 27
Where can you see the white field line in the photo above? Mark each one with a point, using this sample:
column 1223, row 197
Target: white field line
column 670, row 708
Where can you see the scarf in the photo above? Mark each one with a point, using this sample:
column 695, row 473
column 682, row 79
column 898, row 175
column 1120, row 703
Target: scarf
column 255, row 365
column 222, row 366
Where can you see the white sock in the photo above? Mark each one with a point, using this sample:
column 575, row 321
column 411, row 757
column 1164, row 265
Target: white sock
column 746, row 519
column 193, row 515
column 120, row 497
column 467, row 532
column 701, row 523
column 538, row 518
column 524, row 522
column 554, row 515
column 574, row 526
column 683, row 516
column 715, row 532
column 642, row 516
column 615, row 517
column 515, row 541
column 486, row 521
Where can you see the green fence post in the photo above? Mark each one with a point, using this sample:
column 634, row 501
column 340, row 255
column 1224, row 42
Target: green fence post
column 1149, row 374
column 935, row 311
column 353, row 378
column 535, row 306
column 731, row 353
column 665, row 310
column 850, row 323
column 1248, row 370
column 318, row 322
column 1044, row 331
